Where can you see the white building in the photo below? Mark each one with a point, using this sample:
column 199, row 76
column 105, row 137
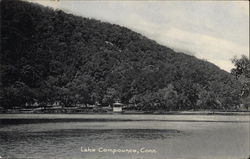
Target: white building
column 117, row 107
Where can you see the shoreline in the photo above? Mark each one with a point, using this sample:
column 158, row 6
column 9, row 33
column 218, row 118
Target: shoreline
column 144, row 113
column 125, row 117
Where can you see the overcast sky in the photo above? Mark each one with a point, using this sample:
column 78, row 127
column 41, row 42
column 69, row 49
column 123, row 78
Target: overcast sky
column 211, row 30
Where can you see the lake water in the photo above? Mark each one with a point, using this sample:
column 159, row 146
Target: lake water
column 124, row 136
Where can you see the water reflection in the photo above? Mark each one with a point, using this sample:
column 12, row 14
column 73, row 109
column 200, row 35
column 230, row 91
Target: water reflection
column 128, row 134
column 66, row 142
column 56, row 140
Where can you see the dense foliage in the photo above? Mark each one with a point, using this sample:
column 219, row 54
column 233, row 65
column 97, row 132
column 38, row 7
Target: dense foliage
column 242, row 73
column 48, row 56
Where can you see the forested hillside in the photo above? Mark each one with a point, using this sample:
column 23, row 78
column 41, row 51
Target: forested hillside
column 48, row 55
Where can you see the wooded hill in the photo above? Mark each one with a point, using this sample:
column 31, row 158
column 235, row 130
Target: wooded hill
column 48, row 55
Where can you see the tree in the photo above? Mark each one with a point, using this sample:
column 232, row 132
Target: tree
column 208, row 100
column 242, row 67
column 111, row 96
column 242, row 73
column 169, row 97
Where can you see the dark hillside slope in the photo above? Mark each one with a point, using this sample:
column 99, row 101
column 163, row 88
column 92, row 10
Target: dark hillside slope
column 48, row 55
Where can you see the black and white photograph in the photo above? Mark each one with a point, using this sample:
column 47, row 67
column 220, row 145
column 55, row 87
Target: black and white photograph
column 124, row 79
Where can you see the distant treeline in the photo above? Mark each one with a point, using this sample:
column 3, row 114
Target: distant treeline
column 49, row 56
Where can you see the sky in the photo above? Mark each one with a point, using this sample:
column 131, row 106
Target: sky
column 215, row 31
